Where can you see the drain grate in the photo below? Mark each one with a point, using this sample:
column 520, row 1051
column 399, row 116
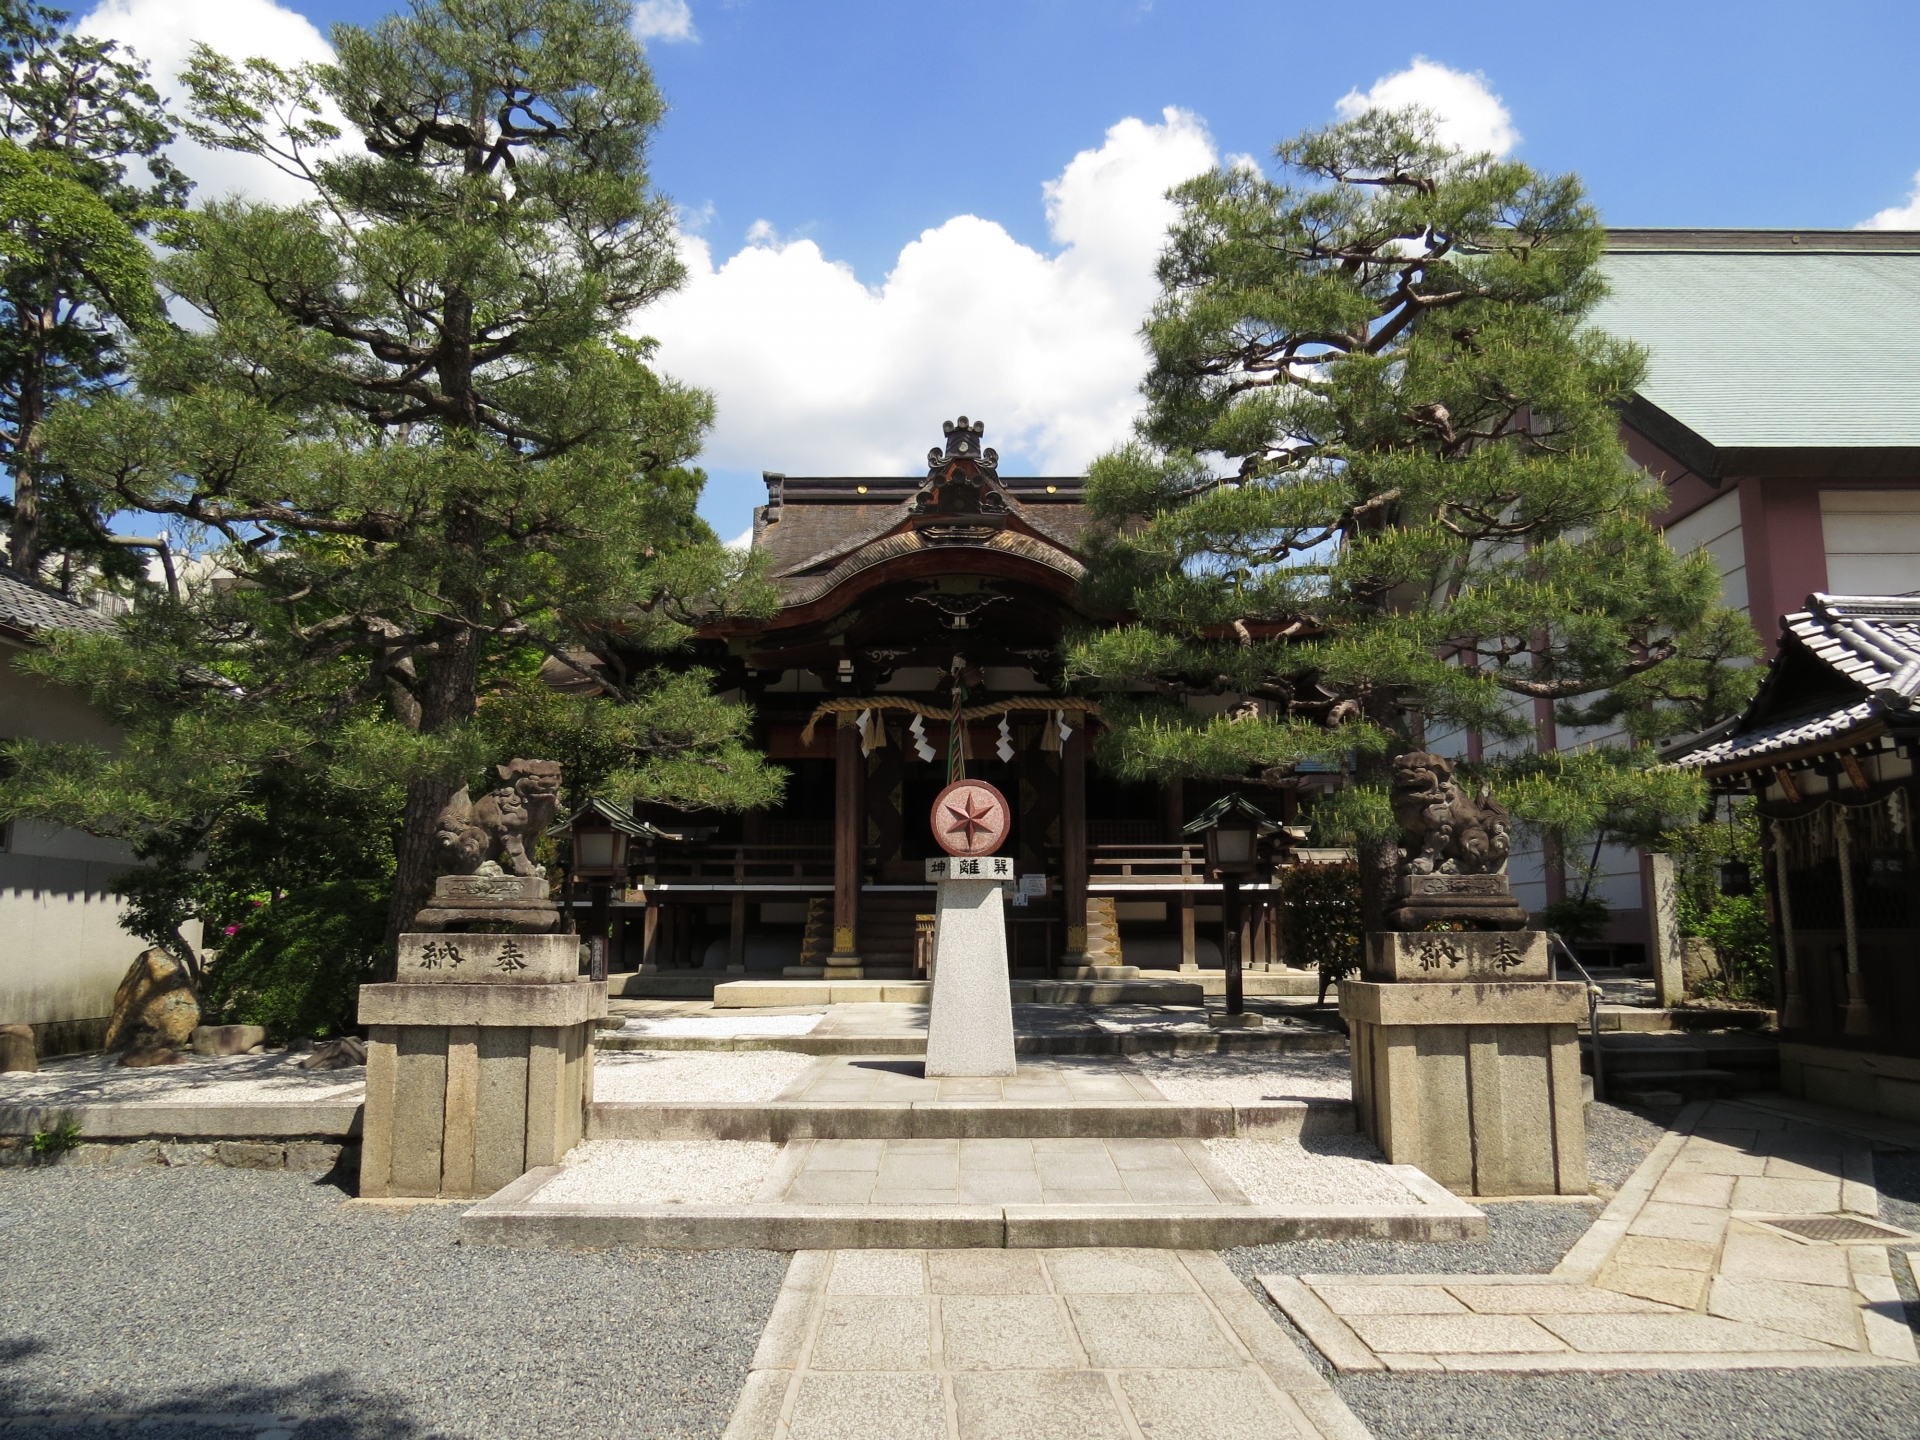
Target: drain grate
column 1841, row 1228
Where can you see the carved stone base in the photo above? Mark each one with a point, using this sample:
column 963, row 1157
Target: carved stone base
column 1483, row 900
column 1456, row 955
column 516, row 903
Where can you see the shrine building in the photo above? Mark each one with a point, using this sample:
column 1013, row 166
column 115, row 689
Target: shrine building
column 902, row 600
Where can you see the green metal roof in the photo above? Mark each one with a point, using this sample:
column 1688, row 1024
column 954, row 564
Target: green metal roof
column 1763, row 339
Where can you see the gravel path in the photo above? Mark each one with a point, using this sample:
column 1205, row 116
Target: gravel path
column 1196, row 1078
column 232, row 1300
column 1618, row 1139
column 738, row 1076
column 662, row 1172
column 1324, row 1169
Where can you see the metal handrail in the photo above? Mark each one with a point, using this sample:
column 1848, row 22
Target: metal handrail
column 1555, row 948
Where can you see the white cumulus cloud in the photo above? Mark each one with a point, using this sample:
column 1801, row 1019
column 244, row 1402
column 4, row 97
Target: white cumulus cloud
column 816, row 373
column 162, row 33
column 668, row 20
column 1471, row 116
column 1897, row 217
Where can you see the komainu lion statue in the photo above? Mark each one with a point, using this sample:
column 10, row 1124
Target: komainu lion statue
column 500, row 824
column 1443, row 831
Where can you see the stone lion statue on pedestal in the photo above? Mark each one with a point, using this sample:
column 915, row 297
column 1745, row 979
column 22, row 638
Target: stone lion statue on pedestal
column 1443, row 830
column 501, row 823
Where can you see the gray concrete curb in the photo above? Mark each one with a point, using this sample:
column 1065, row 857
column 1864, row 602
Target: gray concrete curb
column 1125, row 1044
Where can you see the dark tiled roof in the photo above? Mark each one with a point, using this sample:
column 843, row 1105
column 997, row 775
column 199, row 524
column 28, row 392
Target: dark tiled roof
column 1871, row 642
column 30, row 608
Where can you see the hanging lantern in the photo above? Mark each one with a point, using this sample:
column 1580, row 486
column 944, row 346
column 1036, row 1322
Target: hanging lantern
column 1736, row 878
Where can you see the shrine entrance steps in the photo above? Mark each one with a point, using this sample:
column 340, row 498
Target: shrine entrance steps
column 868, row 1153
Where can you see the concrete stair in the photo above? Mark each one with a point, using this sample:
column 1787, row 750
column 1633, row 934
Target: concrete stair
column 1692, row 1066
column 877, row 1155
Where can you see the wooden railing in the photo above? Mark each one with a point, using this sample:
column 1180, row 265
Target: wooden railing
column 742, row 864
column 1147, row 864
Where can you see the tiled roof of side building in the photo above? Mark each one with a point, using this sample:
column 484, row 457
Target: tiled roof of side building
column 27, row 608
column 1774, row 339
column 1871, row 642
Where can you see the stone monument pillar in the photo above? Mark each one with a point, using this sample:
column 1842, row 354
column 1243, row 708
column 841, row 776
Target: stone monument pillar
column 480, row 1053
column 1465, row 1056
column 970, row 1028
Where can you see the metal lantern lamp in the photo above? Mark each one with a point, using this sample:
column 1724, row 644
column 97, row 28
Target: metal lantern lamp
column 1736, row 878
column 598, row 836
column 1233, row 829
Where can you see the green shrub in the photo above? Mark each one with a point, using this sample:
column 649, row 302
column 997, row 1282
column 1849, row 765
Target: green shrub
column 297, row 964
column 1321, row 919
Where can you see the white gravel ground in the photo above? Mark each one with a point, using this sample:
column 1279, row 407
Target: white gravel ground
column 1246, row 1079
column 721, row 1075
column 199, row 1079
column 725, row 1025
column 1327, row 1170
column 662, row 1172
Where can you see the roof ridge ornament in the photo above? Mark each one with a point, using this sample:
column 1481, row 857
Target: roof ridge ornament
column 963, row 439
column 963, row 479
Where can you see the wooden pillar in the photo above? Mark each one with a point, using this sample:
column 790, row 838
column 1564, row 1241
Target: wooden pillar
column 849, row 817
column 1073, row 842
column 1173, row 801
column 1189, row 959
column 650, row 937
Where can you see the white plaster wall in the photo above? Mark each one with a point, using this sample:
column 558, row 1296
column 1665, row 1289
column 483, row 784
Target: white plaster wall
column 1872, row 541
column 62, row 951
column 1715, row 527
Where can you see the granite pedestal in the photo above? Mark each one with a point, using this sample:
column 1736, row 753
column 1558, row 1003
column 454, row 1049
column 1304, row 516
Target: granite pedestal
column 970, row 1027
column 479, row 1062
column 1466, row 1066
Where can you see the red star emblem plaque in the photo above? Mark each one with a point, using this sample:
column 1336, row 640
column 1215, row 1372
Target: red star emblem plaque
column 970, row 817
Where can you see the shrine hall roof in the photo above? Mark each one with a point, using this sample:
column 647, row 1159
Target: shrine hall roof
column 813, row 525
column 1848, row 669
column 1771, row 340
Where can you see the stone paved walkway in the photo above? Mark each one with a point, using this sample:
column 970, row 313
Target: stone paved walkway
column 1745, row 1240
column 1028, row 1345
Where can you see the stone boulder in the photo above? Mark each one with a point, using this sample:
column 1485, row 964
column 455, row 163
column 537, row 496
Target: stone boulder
column 154, row 1005
column 228, row 1039
column 17, row 1050
column 339, row 1054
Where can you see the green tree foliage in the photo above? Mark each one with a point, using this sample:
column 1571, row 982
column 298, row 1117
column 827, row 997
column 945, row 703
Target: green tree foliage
column 76, row 117
column 1737, row 925
column 425, row 452
column 297, row 962
column 1379, row 489
column 1321, row 921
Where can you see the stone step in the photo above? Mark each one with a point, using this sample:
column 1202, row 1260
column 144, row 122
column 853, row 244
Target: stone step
column 1252, row 982
column 738, row 994
column 1073, row 1043
column 1688, row 1084
column 964, row 1120
column 1690, row 1019
column 515, row 1216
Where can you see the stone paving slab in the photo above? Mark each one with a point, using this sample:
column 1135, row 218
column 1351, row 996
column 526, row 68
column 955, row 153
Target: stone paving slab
column 1683, row 1270
column 1105, row 1344
column 202, row 1097
column 901, row 1029
column 888, row 1097
column 870, row 1195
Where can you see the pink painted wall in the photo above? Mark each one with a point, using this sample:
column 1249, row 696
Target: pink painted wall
column 1786, row 549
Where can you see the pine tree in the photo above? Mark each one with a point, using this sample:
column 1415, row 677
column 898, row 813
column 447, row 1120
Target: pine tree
column 77, row 119
column 429, row 453
column 1379, row 491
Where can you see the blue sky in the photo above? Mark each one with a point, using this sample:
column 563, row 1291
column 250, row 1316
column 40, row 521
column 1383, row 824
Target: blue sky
column 824, row 156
